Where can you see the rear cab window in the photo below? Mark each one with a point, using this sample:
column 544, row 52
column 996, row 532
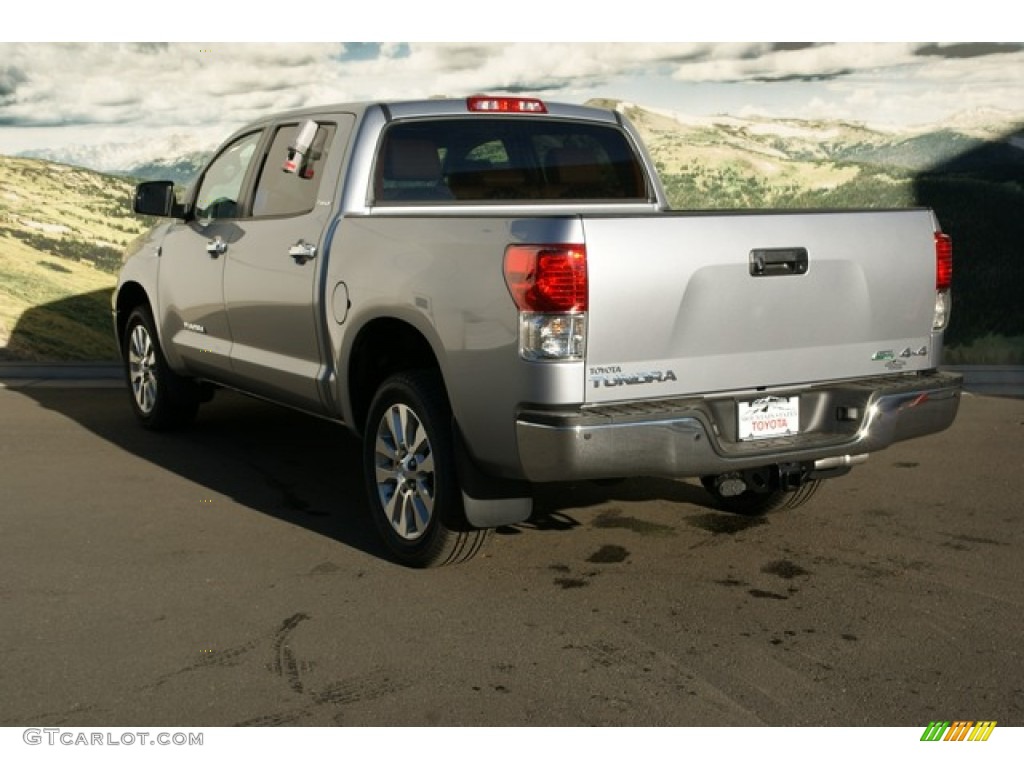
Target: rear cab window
column 493, row 159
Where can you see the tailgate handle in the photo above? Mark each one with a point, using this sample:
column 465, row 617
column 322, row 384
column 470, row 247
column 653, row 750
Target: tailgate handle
column 775, row 262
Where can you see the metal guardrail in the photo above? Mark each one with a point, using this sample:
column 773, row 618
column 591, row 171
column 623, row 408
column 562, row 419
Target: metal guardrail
column 78, row 374
column 1006, row 380
column 76, row 370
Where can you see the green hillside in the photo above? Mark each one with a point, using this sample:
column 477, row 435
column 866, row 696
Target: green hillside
column 62, row 231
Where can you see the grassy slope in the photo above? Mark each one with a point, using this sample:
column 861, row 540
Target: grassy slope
column 52, row 309
column 61, row 232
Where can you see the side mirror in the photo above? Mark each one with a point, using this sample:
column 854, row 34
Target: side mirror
column 156, row 198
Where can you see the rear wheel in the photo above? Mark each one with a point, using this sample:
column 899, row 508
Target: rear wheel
column 160, row 398
column 753, row 503
column 409, row 467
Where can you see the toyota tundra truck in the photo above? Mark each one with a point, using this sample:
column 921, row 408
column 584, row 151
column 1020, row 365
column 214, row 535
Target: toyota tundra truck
column 493, row 292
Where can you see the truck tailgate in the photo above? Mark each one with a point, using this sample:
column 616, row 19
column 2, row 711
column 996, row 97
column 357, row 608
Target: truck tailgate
column 696, row 303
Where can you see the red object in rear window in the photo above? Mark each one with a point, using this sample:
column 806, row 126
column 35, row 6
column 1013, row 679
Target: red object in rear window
column 547, row 278
column 943, row 262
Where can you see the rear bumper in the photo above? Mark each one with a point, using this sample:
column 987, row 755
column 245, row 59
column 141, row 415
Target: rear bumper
column 697, row 436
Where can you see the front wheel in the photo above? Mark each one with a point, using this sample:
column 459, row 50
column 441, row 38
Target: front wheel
column 409, row 467
column 160, row 398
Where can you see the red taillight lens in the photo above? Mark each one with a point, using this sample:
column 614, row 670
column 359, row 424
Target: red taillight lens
column 943, row 262
column 547, row 278
column 504, row 104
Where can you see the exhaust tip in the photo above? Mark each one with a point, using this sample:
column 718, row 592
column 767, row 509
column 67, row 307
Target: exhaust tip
column 836, row 462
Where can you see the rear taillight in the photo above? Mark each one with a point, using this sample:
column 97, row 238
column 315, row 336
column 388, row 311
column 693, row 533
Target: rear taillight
column 943, row 280
column 548, row 284
column 943, row 262
column 547, row 278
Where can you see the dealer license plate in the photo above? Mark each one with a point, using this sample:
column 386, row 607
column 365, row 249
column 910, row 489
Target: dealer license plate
column 769, row 417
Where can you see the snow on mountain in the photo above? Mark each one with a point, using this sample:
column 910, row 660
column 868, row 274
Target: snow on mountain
column 986, row 123
column 125, row 157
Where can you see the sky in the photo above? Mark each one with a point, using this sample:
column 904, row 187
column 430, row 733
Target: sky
column 53, row 95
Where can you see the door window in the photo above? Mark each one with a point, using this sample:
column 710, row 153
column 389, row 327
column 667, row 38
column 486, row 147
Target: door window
column 289, row 194
column 221, row 189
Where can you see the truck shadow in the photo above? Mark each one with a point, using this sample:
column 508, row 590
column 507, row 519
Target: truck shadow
column 552, row 500
column 73, row 328
column 299, row 469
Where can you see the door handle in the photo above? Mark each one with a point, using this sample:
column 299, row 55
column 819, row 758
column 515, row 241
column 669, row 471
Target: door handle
column 302, row 252
column 216, row 247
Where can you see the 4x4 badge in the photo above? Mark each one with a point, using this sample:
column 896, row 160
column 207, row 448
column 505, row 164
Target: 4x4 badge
column 888, row 354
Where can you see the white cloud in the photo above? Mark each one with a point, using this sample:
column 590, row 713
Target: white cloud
column 187, row 83
column 127, row 89
column 818, row 62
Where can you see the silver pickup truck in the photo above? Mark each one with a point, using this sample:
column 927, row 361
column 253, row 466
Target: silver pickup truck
column 492, row 292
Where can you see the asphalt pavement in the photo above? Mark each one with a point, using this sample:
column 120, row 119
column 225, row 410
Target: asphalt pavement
column 230, row 575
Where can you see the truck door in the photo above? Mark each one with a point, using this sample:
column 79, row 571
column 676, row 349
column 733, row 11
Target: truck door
column 273, row 271
column 191, row 285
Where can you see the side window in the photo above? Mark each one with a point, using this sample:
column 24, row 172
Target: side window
column 221, row 188
column 289, row 194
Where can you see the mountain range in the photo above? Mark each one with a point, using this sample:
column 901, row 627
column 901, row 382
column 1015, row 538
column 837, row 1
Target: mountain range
column 176, row 157
column 62, row 227
column 790, row 162
column 784, row 150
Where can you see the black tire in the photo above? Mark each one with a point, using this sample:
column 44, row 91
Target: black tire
column 752, row 503
column 161, row 399
column 409, row 468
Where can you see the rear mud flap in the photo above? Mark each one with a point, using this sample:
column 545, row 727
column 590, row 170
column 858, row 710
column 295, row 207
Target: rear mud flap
column 489, row 502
